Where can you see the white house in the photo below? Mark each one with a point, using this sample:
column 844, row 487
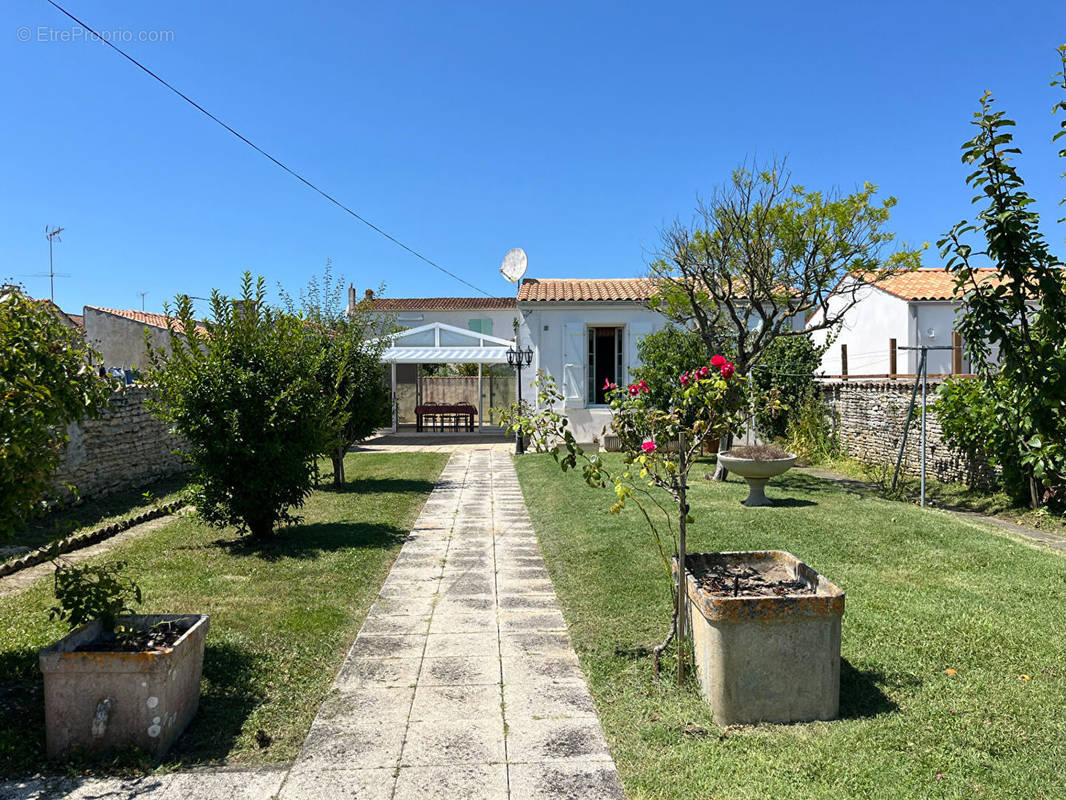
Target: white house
column 584, row 333
column 581, row 332
column 914, row 308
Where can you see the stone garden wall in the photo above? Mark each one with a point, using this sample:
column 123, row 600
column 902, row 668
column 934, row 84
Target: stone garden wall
column 869, row 417
column 125, row 448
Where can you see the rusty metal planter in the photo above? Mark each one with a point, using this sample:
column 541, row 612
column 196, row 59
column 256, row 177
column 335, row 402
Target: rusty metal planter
column 96, row 702
column 767, row 658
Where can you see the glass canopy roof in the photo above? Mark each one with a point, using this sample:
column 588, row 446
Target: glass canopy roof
column 440, row 343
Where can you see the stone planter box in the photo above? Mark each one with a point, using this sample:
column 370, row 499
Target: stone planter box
column 96, row 702
column 757, row 473
column 766, row 658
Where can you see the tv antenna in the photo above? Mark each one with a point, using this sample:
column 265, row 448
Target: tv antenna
column 515, row 264
column 142, row 294
column 52, row 234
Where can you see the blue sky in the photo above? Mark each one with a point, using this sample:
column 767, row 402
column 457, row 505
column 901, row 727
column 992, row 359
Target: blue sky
column 574, row 130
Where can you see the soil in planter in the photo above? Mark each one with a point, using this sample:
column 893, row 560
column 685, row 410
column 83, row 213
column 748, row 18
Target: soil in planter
column 722, row 580
column 759, row 452
column 157, row 638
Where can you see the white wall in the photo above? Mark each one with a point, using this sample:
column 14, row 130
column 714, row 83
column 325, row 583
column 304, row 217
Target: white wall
column 866, row 329
column 935, row 324
column 120, row 341
column 545, row 327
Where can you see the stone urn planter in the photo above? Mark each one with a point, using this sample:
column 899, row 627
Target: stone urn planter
column 99, row 700
column 766, row 637
column 756, row 471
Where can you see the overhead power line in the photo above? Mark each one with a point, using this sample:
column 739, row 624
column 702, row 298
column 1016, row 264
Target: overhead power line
column 261, row 151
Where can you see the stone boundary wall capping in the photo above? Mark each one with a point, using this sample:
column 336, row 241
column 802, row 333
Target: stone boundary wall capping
column 125, row 448
column 80, row 540
column 868, row 417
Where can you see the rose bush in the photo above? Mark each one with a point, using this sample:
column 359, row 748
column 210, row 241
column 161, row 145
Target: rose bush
column 659, row 441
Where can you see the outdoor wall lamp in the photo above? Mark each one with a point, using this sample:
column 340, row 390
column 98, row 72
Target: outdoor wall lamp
column 518, row 357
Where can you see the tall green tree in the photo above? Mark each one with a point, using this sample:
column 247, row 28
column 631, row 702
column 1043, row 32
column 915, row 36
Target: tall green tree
column 46, row 382
column 1014, row 325
column 241, row 388
column 763, row 252
column 350, row 373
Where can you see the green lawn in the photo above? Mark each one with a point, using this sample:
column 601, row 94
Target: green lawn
column 926, row 592
column 282, row 615
column 950, row 495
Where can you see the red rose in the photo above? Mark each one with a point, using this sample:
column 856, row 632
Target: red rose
column 727, row 370
column 648, row 447
column 684, row 379
column 633, row 390
column 718, row 361
column 703, row 372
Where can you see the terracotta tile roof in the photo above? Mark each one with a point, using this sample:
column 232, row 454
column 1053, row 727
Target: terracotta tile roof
column 442, row 303
column 580, row 290
column 927, row 284
column 144, row 317
column 78, row 320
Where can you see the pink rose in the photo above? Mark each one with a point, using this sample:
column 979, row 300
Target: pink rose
column 643, row 386
column 634, row 390
column 717, row 361
column 727, row 370
column 648, row 447
column 607, row 385
column 684, row 379
column 704, row 372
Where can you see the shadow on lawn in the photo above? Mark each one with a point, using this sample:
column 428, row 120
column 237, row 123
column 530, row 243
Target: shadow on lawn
column 376, row 486
column 806, row 482
column 790, row 502
column 311, row 540
column 860, row 693
column 229, row 693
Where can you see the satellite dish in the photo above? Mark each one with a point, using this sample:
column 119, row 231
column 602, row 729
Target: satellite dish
column 514, row 265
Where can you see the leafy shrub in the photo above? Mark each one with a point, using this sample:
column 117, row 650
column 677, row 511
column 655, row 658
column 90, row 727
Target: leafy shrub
column 809, row 432
column 46, row 383
column 93, row 592
column 665, row 354
column 243, row 392
column 971, row 414
column 788, row 365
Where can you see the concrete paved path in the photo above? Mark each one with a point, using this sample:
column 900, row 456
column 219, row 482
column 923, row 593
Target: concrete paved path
column 463, row 682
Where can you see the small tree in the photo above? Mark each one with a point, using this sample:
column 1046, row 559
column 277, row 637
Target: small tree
column 46, row 383
column 242, row 390
column 1015, row 325
column 763, row 252
column 350, row 373
column 659, row 444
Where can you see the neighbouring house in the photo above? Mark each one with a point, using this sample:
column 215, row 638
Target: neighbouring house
column 118, row 335
column 913, row 309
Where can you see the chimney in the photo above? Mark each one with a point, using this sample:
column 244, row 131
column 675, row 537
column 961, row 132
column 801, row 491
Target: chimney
column 351, row 298
column 369, row 294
